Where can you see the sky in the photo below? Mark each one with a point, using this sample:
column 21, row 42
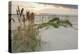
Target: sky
column 48, row 8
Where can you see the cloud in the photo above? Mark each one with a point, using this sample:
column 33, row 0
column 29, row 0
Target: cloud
column 63, row 5
column 45, row 8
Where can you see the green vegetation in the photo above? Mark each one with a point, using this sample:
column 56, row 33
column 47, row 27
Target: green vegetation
column 26, row 37
column 55, row 23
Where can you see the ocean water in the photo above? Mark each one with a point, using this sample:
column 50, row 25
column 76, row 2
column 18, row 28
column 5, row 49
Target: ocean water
column 56, row 39
column 40, row 19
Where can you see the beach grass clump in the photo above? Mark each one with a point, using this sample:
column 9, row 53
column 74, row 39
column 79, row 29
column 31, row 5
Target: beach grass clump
column 25, row 37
